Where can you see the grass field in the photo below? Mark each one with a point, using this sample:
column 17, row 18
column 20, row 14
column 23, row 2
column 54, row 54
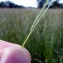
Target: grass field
column 46, row 42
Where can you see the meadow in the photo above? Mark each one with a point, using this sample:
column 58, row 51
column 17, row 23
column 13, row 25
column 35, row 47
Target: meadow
column 45, row 43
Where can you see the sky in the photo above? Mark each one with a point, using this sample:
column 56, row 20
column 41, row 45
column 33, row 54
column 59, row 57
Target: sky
column 61, row 1
column 27, row 3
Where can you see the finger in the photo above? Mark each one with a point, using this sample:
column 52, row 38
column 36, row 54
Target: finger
column 13, row 53
column 4, row 44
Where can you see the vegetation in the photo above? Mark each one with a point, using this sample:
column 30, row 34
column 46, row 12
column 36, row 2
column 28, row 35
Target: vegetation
column 9, row 4
column 55, row 4
column 46, row 42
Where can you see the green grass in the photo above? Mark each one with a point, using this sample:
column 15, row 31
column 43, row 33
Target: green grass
column 46, row 42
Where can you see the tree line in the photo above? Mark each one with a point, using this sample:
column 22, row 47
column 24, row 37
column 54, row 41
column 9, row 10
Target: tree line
column 8, row 4
column 55, row 4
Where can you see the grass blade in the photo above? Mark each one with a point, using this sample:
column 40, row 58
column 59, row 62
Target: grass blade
column 36, row 21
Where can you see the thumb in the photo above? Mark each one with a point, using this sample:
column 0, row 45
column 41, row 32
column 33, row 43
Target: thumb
column 14, row 54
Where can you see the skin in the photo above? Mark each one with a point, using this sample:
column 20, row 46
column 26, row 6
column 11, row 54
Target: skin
column 13, row 53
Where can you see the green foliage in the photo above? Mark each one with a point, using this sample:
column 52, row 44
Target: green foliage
column 46, row 42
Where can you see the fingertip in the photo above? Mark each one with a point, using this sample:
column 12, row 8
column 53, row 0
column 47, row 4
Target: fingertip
column 15, row 55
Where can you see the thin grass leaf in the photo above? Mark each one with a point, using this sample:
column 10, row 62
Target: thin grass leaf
column 41, row 14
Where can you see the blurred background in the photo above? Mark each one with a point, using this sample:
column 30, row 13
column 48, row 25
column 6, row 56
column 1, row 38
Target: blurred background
column 46, row 42
column 30, row 3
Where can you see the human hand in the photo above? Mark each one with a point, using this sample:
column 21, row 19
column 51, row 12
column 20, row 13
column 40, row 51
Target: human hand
column 13, row 53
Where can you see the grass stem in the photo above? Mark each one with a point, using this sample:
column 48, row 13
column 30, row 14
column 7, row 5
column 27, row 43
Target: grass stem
column 36, row 21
